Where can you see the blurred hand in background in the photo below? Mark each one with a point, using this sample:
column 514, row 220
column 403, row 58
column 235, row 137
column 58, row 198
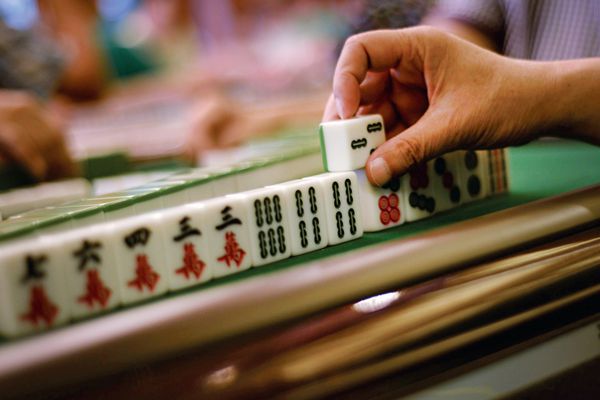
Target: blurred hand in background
column 31, row 136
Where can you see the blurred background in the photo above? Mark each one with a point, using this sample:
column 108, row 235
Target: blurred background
column 121, row 92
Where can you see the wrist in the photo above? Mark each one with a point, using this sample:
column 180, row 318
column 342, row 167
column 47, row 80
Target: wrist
column 571, row 97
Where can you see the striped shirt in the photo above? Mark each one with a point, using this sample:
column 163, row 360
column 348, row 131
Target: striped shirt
column 533, row 29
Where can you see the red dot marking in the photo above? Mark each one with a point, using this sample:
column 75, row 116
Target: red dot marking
column 395, row 215
column 383, row 203
column 384, row 217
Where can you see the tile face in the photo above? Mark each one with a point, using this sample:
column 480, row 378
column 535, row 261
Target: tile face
column 473, row 174
column 92, row 282
column 381, row 207
column 417, row 192
column 306, row 215
column 185, row 240
column 498, row 171
column 32, row 287
column 140, row 257
column 342, row 206
column 227, row 232
column 347, row 144
column 446, row 181
column 268, row 226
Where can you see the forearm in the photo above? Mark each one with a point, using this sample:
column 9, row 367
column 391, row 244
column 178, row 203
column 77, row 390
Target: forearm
column 571, row 103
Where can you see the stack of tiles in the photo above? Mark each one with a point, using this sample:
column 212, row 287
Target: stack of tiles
column 438, row 185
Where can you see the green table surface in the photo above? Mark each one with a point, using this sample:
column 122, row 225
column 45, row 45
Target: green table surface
column 537, row 170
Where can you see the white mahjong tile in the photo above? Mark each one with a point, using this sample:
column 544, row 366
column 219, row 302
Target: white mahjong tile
column 306, row 215
column 417, row 192
column 346, row 144
column 140, row 257
column 32, row 286
column 342, row 205
column 498, row 178
column 381, row 207
column 92, row 281
column 446, row 181
column 268, row 226
column 473, row 174
column 228, row 235
column 185, row 240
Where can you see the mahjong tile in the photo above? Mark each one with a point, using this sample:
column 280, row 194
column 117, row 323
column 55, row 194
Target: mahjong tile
column 473, row 174
column 306, row 215
column 346, row 144
column 32, row 286
column 445, row 180
column 342, row 205
column 228, row 235
column 140, row 257
column 268, row 226
column 417, row 192
column 92, row 282
column 186, row 244
column 381, row 207
column 498, row 177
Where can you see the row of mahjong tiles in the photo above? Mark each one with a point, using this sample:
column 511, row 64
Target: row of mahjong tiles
column 175, row 248
column 252, row 228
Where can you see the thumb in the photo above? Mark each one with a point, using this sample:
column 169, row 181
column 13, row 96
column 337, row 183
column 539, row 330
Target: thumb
column 424, row 140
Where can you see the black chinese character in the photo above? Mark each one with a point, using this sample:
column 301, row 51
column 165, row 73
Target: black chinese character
column 227, row 219
column 88, row 252
column 33, row 265
column 186, row 230
column 139, row 236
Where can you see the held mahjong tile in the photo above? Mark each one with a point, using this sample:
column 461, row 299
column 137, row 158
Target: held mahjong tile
column 185, row 239
column 342, row 205
column 417, row 192
column 268, row 226
column 473, row 174
column 446, row 181
column 381, row 207
column 228, row 235
column 306, row 215
column 498, row 177
column 92, row 282
column 140, row 257
column 346, row 144
column 32, row 286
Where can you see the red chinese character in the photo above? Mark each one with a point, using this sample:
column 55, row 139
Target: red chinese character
column 40, row 307
column 144, row 274
column 96, row 291
column 388, row 205
column 191, row 263
column 232, row 251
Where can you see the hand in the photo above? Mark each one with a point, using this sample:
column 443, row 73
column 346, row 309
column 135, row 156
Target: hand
column 437, row 93
column 219, row 122
column 31, row 137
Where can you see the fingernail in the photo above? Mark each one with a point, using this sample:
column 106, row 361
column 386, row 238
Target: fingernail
column 380, row 171
column 340, row 108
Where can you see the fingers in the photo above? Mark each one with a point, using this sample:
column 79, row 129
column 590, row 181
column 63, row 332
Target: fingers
column 372, row 51
column 422, row 141
column 21, row 150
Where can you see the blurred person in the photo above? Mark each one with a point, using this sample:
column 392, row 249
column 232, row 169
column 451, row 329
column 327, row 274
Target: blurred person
column 527, row 29
column 438, row 93
column 29, row 135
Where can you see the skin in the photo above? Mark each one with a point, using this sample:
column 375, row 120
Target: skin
column 31, row 137
column 438, row 93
